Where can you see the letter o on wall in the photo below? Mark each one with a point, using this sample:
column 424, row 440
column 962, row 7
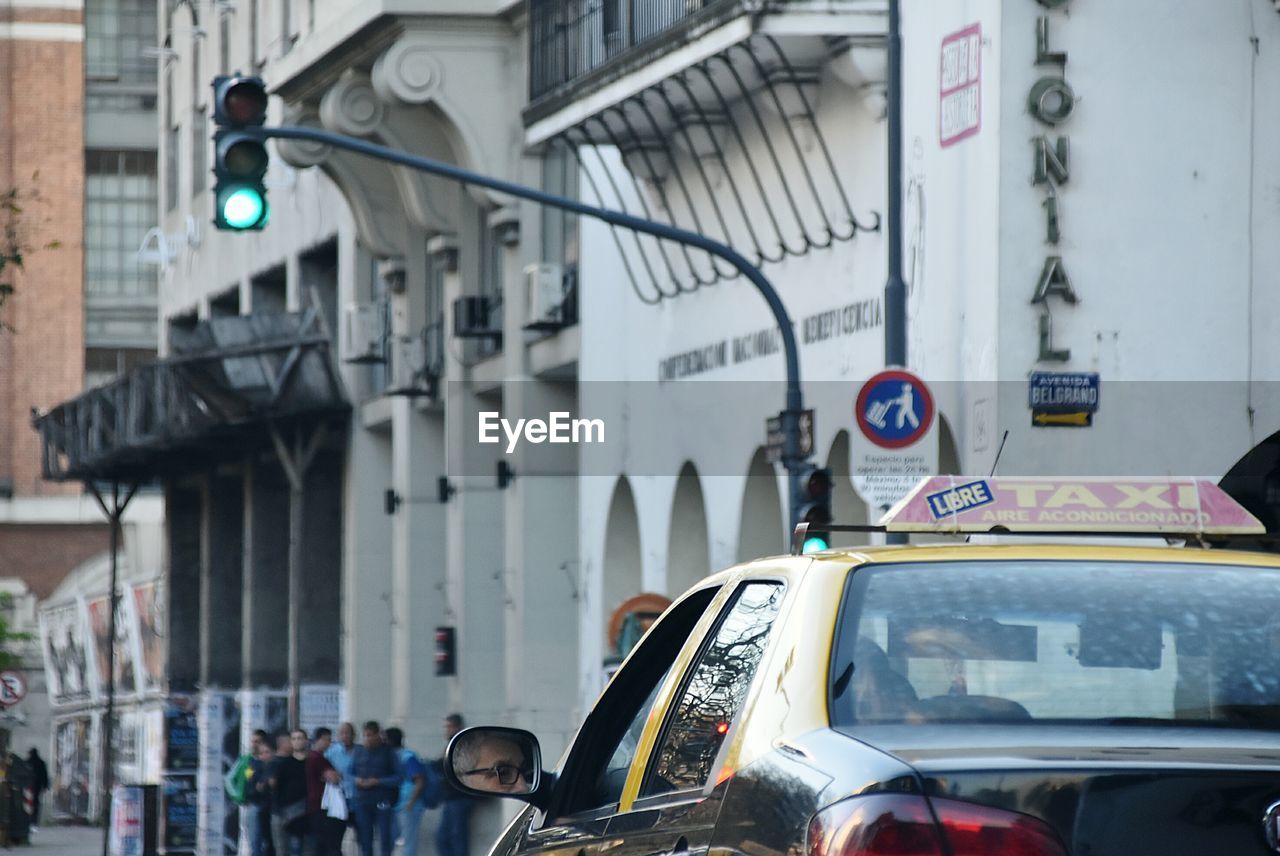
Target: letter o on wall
column 1051, row 100
column 1052, row 4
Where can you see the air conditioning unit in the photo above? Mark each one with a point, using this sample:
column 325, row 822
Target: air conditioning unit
column 544, row 297
column 367, row 333
column 410, row 372
column 471, row 318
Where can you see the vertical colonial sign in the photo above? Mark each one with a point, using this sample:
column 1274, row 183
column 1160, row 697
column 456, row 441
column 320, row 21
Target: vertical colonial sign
column 960, row 86
column 1051, row 102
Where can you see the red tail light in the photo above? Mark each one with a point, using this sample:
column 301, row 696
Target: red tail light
column 976, row 830
column 879, row 825
column 905, row 825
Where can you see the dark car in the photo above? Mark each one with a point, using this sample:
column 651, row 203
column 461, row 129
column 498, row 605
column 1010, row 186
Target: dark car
column 951, row 700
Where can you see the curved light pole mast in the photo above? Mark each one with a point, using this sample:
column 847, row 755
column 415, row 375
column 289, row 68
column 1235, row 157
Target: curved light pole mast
column 791, row 454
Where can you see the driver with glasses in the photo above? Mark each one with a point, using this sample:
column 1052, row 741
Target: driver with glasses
column 494, row 763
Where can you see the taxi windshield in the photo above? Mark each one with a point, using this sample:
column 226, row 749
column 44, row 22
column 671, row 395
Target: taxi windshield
column 1017, row 641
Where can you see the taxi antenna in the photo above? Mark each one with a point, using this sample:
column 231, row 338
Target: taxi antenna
column 994, row 464
column 999, row 452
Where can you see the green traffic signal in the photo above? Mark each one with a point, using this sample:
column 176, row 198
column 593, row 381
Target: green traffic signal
column 241, row 159
column 813, row 544
column 242, row 207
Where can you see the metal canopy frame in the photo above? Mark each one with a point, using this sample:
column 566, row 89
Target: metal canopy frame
column 228, row 379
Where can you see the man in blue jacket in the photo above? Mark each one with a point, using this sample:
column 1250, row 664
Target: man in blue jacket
column 378, row 774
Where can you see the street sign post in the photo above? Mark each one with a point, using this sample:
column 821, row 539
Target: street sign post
column 775, row 436
column 895, row 444
column 13, row 687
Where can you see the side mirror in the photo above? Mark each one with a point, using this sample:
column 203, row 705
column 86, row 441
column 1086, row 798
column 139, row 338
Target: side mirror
column 492, row 761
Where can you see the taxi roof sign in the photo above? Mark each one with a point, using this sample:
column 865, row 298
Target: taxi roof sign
column 1157, row 506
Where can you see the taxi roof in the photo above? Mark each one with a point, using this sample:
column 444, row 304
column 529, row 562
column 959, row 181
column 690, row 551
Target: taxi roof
column 898, row 553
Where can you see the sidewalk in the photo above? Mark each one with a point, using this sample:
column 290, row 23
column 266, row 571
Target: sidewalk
column 65, row 841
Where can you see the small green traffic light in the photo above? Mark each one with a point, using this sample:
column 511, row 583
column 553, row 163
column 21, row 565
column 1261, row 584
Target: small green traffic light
column 241, row 159
column 813, row 544
column 242, row 208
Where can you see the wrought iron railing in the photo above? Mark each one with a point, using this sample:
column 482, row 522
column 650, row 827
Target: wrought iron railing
column 571, row 38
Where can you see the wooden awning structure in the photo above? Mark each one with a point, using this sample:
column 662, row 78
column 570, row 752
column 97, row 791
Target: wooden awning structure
column 226, row 381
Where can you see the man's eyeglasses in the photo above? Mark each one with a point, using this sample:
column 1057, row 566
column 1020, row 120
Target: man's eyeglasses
column 506, row 774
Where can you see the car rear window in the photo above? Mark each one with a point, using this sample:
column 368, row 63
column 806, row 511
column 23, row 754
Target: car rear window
column 1077, row 641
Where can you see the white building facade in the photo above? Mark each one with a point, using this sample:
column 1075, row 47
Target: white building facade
column 759, row 124
column 1082, row 193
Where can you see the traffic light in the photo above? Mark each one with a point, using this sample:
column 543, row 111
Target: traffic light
column 446, row 651
column 240, row 158
column 813, row 486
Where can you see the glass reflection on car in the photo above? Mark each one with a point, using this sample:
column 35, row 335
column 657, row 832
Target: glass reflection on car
column 716, row 691
column 1022, row 641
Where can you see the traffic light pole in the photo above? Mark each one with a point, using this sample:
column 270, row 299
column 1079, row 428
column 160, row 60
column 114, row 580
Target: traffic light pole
column 895, row 288
column 792, row 459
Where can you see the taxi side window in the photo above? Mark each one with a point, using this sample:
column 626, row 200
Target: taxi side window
column 714, row 692
column 597, row 767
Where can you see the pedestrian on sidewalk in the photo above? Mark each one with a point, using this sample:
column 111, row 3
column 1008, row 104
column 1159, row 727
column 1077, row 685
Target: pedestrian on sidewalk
column 325, row 832
column 340, row 755
column 39, row 784
column 289, row 794
column 453, row 835
column 378, row 776
column 410, row 807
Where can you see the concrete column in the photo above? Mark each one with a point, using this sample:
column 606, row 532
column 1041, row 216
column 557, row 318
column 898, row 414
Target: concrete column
column 540, row 543
column 182, row 519
column 320, row 628
column 265, row 643
column 221, row 584
column 475, row 596
column 367, row 618
column 418, row 530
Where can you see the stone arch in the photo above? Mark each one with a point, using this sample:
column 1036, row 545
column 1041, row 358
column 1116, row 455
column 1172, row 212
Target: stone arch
column 762, row 528
column 948, row 450
column 846, row 505
column 622, row 570
column 688, row 552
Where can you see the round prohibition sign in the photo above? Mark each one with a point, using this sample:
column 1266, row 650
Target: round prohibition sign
column 894, row 409
column 13, row 687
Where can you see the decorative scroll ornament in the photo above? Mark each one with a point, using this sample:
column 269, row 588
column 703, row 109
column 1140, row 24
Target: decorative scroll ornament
column 351, row 106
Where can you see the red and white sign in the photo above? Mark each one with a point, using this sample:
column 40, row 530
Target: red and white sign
column 960, row 86
column 977, row 504
column 895, row 444
column 13, row 687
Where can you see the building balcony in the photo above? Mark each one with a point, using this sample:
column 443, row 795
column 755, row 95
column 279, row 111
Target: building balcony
column 588, row 59
column 729, row 118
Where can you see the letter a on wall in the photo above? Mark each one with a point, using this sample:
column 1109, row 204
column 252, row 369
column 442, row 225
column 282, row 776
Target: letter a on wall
column 1054, row 281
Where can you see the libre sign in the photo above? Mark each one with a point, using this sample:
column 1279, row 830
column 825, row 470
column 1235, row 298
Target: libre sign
column 895, row 445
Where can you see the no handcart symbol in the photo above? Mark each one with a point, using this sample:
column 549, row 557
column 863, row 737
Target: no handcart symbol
column 13, row 688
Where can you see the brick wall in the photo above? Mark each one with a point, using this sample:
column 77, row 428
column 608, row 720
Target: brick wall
column 41, row 555
column 42, row 131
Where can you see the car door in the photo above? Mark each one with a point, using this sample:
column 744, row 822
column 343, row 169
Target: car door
column 674, row 799
column 598, row 766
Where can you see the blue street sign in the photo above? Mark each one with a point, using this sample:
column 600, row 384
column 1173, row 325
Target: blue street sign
column 894, row 409
column 1063, row 392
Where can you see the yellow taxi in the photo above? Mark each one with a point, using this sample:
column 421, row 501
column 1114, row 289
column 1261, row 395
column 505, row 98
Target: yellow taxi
column 938, row 700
